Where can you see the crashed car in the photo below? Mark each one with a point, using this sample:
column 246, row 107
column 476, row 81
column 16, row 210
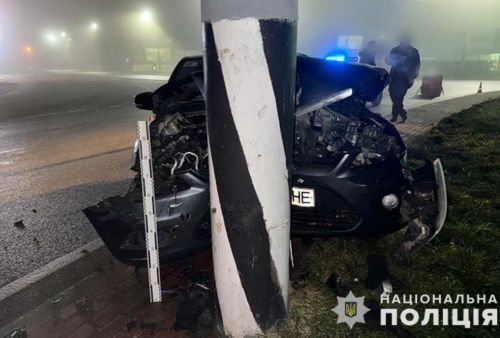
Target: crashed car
column 349, row 177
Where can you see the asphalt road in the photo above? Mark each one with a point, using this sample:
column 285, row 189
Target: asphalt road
column 65, row 144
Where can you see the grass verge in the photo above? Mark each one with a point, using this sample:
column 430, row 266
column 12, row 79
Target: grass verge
column 463, row 259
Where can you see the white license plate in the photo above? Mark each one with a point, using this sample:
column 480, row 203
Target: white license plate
column 303, row 197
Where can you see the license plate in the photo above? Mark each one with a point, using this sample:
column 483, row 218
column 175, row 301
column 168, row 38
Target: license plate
column 303, row 197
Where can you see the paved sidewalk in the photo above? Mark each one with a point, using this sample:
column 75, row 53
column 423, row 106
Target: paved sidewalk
column 423, row 118
column 453, row 89
column 109, row 300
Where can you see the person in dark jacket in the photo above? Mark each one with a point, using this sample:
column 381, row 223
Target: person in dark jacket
column 405, row 66
column 368, row 56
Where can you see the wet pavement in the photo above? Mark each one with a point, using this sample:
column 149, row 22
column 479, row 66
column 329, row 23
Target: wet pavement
column 65, row 143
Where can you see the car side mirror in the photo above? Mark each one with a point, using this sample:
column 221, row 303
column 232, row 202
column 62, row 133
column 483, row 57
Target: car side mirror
column 144, row 101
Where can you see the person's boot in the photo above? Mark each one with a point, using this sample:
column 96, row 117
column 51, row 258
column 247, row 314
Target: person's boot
column 403, row 119
column 394, row 119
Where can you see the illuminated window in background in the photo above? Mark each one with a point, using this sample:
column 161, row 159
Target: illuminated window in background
column 351, row 42
column 151, row 54
column 495, row 62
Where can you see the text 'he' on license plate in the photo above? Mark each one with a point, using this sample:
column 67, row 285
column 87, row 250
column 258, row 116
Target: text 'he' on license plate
column 303, row 197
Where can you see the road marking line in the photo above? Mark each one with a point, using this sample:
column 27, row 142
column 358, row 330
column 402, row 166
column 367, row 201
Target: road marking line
column 150, row 77
column 46, row 270
column 79, row 110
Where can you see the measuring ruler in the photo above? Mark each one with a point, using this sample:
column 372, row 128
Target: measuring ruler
column 148, row 198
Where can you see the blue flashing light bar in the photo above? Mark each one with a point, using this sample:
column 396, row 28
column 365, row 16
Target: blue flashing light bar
column 336, row 57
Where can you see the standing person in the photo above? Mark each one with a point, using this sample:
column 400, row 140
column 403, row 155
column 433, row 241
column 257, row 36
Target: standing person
column 405, row 66
column 368, row 56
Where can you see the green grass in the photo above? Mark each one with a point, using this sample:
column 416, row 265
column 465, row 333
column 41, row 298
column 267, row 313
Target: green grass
column 464, row 258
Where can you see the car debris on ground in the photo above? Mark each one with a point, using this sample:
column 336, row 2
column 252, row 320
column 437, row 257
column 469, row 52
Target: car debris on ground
column 20, row 225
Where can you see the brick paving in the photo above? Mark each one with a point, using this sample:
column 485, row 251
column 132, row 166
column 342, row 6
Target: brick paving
column 423, row 118
column 113, row 302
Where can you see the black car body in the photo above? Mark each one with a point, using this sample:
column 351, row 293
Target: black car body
column 351, row 160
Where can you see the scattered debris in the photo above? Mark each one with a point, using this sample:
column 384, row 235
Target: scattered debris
column 379, row 277
column 195, row 310
column 131, row 325
column 101, row 267
column 334, row 282
column 149, row 326
column 385, row 288
column 19, row 332
column 300, row 272
column 206, row 319
column 298, row 277
column 56, row 300
column 170, row 292
column 34, row 211
column 20, row 225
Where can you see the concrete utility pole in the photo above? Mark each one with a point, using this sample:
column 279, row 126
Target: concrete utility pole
column 250, row 62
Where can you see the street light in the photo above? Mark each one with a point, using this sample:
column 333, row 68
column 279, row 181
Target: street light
column 147, row 19
column 27, row 50
column 51, row 38
column 94, row 26
column 63, row 34
column 147, row 16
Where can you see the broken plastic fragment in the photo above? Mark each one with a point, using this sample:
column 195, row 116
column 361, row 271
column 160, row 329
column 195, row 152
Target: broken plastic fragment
column 19, row 332
column 20, row 225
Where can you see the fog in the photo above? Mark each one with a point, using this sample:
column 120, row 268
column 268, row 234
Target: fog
column 150, row 36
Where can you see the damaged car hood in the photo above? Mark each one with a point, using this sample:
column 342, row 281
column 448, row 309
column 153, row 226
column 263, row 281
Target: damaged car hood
column 317, row 79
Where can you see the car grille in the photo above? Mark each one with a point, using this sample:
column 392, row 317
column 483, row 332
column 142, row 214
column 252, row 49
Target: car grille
column 339, row 220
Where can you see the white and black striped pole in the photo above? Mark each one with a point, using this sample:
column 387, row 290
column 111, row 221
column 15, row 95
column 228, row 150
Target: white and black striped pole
column 250, row 62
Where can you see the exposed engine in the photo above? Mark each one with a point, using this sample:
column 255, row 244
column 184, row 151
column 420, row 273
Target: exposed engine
column 179, row 136
column 322, row 135
column 180, row 143
column 179, row 139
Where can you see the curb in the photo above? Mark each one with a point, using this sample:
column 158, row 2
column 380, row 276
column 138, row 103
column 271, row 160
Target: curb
column 30, row 291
